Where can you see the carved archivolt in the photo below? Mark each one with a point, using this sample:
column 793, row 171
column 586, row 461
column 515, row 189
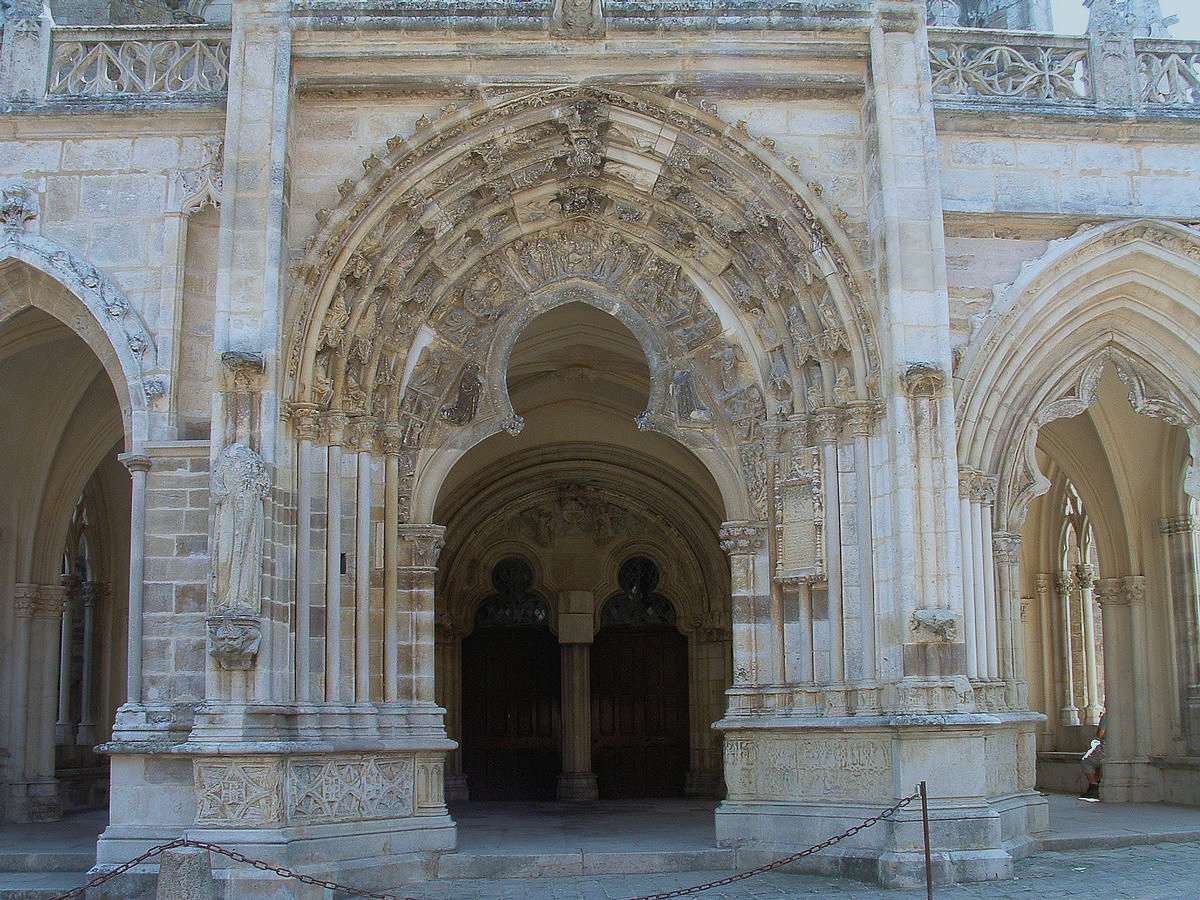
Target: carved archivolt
column 707, row 248
column 1102, row 297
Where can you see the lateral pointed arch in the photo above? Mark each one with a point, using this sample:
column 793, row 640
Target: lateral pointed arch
column 1123, row 294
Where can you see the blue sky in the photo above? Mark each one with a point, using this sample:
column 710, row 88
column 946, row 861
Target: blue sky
column 1070, row 17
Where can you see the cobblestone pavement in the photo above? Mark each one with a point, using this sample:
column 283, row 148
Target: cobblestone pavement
column 1167, row 871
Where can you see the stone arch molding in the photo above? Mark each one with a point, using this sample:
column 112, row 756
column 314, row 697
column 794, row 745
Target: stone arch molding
column 745, row 297
column 1125, row 294
column 91, row 305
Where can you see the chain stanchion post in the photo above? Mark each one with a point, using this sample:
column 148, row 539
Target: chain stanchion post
column 928, row 858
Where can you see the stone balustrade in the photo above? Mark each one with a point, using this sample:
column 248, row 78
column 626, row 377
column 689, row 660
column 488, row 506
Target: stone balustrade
column 1025, row 68
column 139, row 61
column 1009, row 65
column 1168, row 72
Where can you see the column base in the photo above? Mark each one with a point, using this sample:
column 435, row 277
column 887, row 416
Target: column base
column 577, row 786
column 33, row 801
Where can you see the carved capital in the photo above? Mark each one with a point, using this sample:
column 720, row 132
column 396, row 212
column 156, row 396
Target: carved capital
column 335, row 428
column 924, row 381
column 1134, row 588
column 362, row 434
column 1176, row 525
column 18, row 205
column 966, row 482
column 39, row 601
column 827, row 425
column 1085, row 575
column 742, row 538
column 391, row 440
column 861, row 416
column 233, row 640
column 425, row 542
column 1109, row 592
column 1042, row 580
column 1006, row 545
column 983, row 489
column 304, row 417
column 1064, row 582
column 246, row 367
column 135, row 462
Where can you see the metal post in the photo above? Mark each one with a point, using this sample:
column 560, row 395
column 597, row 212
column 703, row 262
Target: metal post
column 928, row 859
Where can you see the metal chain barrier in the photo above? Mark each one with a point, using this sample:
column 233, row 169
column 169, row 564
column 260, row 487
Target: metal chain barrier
column 334, row 886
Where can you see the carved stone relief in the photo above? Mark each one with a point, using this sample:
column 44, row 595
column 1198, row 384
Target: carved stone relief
column 238, row 791
column 338, row 788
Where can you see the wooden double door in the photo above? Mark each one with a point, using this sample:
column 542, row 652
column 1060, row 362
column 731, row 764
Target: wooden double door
column 512, row 713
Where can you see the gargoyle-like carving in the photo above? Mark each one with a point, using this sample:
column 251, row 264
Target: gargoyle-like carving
column 234, row 640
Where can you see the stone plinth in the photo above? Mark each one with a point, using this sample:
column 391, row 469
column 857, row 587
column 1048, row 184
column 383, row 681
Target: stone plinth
column 795, row 782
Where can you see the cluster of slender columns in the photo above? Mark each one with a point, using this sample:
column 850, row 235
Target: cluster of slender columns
column 84, row 731
column 409, row 559
column 981, row 624
column 821, row 627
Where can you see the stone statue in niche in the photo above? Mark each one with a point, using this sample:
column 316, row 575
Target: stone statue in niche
column 240, row 485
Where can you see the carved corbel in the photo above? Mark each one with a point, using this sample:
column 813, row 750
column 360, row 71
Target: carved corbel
column 924, row 381
column 18, row 206
column 233, row 640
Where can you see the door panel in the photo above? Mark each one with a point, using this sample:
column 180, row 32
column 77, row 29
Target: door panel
column 639, row 712
column 511, row 714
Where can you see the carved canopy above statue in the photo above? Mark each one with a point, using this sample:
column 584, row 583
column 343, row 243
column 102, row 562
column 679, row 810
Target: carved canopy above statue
column 744, row 297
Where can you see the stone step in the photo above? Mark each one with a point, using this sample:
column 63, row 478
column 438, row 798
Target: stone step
column 579, row 863
column 53, row 861
column 38, row 885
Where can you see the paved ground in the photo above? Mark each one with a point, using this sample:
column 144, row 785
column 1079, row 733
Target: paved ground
column 1094, row 850
column 1167, row 871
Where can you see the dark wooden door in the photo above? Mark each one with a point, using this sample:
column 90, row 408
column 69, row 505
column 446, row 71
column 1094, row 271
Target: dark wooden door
column 511, row 743
column 639, row 712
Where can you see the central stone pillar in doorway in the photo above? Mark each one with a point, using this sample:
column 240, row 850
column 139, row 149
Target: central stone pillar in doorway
column 575, row 632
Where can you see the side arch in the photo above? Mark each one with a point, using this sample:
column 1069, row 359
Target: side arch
column 1126, row 294
column 37, row 273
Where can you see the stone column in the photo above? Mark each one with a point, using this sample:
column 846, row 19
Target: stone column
column 307, row 431
column 1011, row 650
column 986, row 487
column 392, row 448
column 364, row 443
column 746, row 542
column 575, row 631
column 64, row 727
column 33, row 793
column 1087, row 612
column 333, row 560
column 966, row 479
column 1120, row 688
column 1046, row 630
column 420, row 546
column 1068, row 714
column 828, row 428
column 138, row 465
column 85, row 735
column 1180, row 535
column 860, row 421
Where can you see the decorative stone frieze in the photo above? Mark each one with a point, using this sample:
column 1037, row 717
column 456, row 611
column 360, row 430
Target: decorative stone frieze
column 239, row 791
column 798, row 769
column 330, row 789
